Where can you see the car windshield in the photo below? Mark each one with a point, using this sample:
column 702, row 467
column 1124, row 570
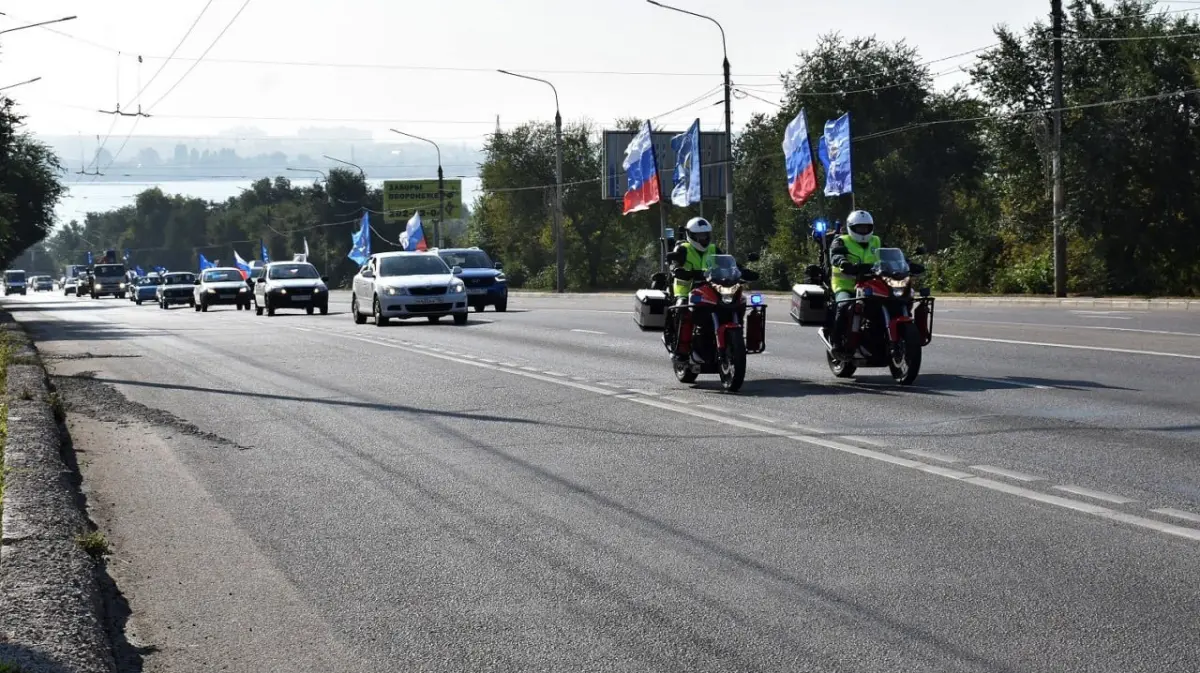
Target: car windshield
column 14, row 276
column 149, row 281
column 107, row 270
column 891, row 262
column 412, row 265
column 724, row 270
column 222, row 276
column 467, row 259
column 179, row 279
column 285, row 271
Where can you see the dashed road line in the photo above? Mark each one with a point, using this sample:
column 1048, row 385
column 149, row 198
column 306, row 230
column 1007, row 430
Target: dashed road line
column 587, row 331
column 759, row 418
column 1178, row 514
column 1001, row 472
column 1091, row 493
column 940, row 457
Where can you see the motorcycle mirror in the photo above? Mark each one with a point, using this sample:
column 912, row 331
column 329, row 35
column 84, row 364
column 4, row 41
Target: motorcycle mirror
column 669, row 234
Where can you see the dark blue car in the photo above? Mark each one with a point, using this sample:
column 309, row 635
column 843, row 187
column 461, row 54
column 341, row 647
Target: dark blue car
column 485, row 281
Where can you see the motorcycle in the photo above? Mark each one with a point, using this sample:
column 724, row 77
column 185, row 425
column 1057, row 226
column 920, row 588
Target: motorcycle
column 891, row 320
column 721, row 323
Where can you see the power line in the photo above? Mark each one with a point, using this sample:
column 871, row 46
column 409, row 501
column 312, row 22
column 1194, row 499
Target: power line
column 178, row 45
column 202, row 55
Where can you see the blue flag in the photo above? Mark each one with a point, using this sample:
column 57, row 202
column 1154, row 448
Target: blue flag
column 89, row 257
column 360, row 250
column 686, row 189
column 265, row 257
column 205, row 264
column 138, row 270
column 160, row 269
column 835, row 154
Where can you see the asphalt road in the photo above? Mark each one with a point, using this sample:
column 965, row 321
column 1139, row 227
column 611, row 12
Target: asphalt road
column 534, row 491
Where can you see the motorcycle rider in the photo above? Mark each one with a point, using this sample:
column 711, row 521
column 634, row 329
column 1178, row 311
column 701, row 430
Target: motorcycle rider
column 689, row 260
column 850, row 254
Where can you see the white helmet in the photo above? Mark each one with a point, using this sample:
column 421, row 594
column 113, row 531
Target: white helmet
column 861, row 226
column 699, row 233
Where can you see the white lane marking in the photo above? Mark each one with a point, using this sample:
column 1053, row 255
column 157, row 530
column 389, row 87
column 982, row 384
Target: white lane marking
column 531, row 369
column 639, row 391
column 858, row 438
column 1103, row 328
column 1001, row 472
column 1014, row 342
column 713, row 407
column 1076, row 505
column 550, row 373
column 760, row 419
column 676, row 400
column 490, row 362
column 1126, row 351
column 587, row 331
column 1178, row 513
column 940, row 457
column 1098, row 495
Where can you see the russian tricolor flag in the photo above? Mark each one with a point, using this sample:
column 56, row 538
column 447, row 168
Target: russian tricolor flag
column 413, row 237
column 797, row 154
column 641, row 167
column 241, row 265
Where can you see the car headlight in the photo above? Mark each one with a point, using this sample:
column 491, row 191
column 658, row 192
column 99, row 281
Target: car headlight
column 317, row 290
column 393, row 291
column 502, row 278
column 96, row 286
column 243, row 289
column 212, row 290
column 283, row 290
column 122, row 287
column 457, row 286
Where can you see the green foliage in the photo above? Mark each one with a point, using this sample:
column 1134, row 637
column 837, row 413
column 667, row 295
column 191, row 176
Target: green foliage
column 29, row 185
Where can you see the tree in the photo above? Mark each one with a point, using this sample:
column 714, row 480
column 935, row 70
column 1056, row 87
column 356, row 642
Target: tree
column 29, row 185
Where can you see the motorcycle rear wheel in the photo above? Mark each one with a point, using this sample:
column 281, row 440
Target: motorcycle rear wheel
column 843, row 369
column 733, row 365
column 906, row 370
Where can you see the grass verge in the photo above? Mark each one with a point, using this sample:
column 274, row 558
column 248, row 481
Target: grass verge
column 95, row 544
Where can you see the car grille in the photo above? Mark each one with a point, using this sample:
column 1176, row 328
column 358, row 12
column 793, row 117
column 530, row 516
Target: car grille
column 479, row 282
column 429, row 308
column 178, row 293
column 427, row 290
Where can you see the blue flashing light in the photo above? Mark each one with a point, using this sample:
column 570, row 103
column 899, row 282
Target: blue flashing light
column 820, row 226
column 756, row 299
column 695, row 298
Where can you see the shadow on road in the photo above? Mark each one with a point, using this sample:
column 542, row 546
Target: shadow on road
column 882, row 384
column 314, row 400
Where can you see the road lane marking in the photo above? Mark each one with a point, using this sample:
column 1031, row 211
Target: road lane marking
column 760, row 419
column 1178, row 513
column 940, row 457
column 1098, row 495
column 587, row 331
column 1103, row 349
column 1008, row 382
column 725, row 419
column 1001, row 472
column 1103, row 328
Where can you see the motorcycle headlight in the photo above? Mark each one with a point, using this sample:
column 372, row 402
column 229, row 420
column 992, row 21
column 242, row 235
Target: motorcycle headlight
column 898, row 282
column 96, row 286
column 457, row 286
column 122, row 286
column 897, row 292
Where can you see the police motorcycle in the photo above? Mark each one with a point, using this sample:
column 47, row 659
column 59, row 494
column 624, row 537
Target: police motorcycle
column 890, row 316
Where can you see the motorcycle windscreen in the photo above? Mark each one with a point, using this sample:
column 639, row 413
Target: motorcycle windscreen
column 724, row 270
column 891, row 262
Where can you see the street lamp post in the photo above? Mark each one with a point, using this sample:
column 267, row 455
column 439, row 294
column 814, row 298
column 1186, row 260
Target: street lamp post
column 728, row 124
column 323, row 175
column 361, row 172
column 561, row 276
column 39, row 23
column 28, row 81
column 437, row 232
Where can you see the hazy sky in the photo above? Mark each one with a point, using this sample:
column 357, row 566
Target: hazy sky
column 525, row 35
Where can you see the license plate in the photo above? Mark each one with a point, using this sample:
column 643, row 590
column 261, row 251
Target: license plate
column 300, row 297
column 427, row 300
column 228, row 296
column 476, row 290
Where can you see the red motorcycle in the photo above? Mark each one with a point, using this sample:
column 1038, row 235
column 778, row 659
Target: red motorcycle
column 721, row 323
column 889, row 326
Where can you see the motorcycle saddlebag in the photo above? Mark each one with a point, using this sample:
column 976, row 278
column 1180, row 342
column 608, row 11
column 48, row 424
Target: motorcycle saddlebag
column 650, row 309
column 808, row 304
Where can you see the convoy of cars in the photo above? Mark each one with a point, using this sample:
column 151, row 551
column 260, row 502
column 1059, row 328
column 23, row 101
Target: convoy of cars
column 434, row 284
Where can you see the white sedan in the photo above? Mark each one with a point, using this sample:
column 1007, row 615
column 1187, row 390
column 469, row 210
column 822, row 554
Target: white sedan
column 221, row 286
column 408, row 285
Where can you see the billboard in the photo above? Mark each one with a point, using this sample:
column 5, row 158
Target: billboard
column 402, row 198
column 712, row 173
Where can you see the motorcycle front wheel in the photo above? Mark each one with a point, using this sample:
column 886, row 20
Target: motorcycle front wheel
column 683, row 372
column 733, row 365
column 843, row 369
column 906, row 368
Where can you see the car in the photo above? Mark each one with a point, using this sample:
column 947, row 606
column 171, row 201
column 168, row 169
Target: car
column 70, row 286
column 176, row 288
column 408, row 285
column 221, row 286
column 14, row 282
column 106, row 279
column 279, row 285
column 485, row 280
column 43, row 284
column 145, row 288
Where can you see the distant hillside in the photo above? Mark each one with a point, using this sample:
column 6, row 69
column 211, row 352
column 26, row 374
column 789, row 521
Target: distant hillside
column 248, row 153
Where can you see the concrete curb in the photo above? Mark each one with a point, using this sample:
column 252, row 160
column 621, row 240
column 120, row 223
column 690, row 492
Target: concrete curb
column 51, row 603
column 1070, row 302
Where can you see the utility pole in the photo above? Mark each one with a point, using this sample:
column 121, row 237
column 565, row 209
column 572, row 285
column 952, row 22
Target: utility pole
column 1060, row 241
